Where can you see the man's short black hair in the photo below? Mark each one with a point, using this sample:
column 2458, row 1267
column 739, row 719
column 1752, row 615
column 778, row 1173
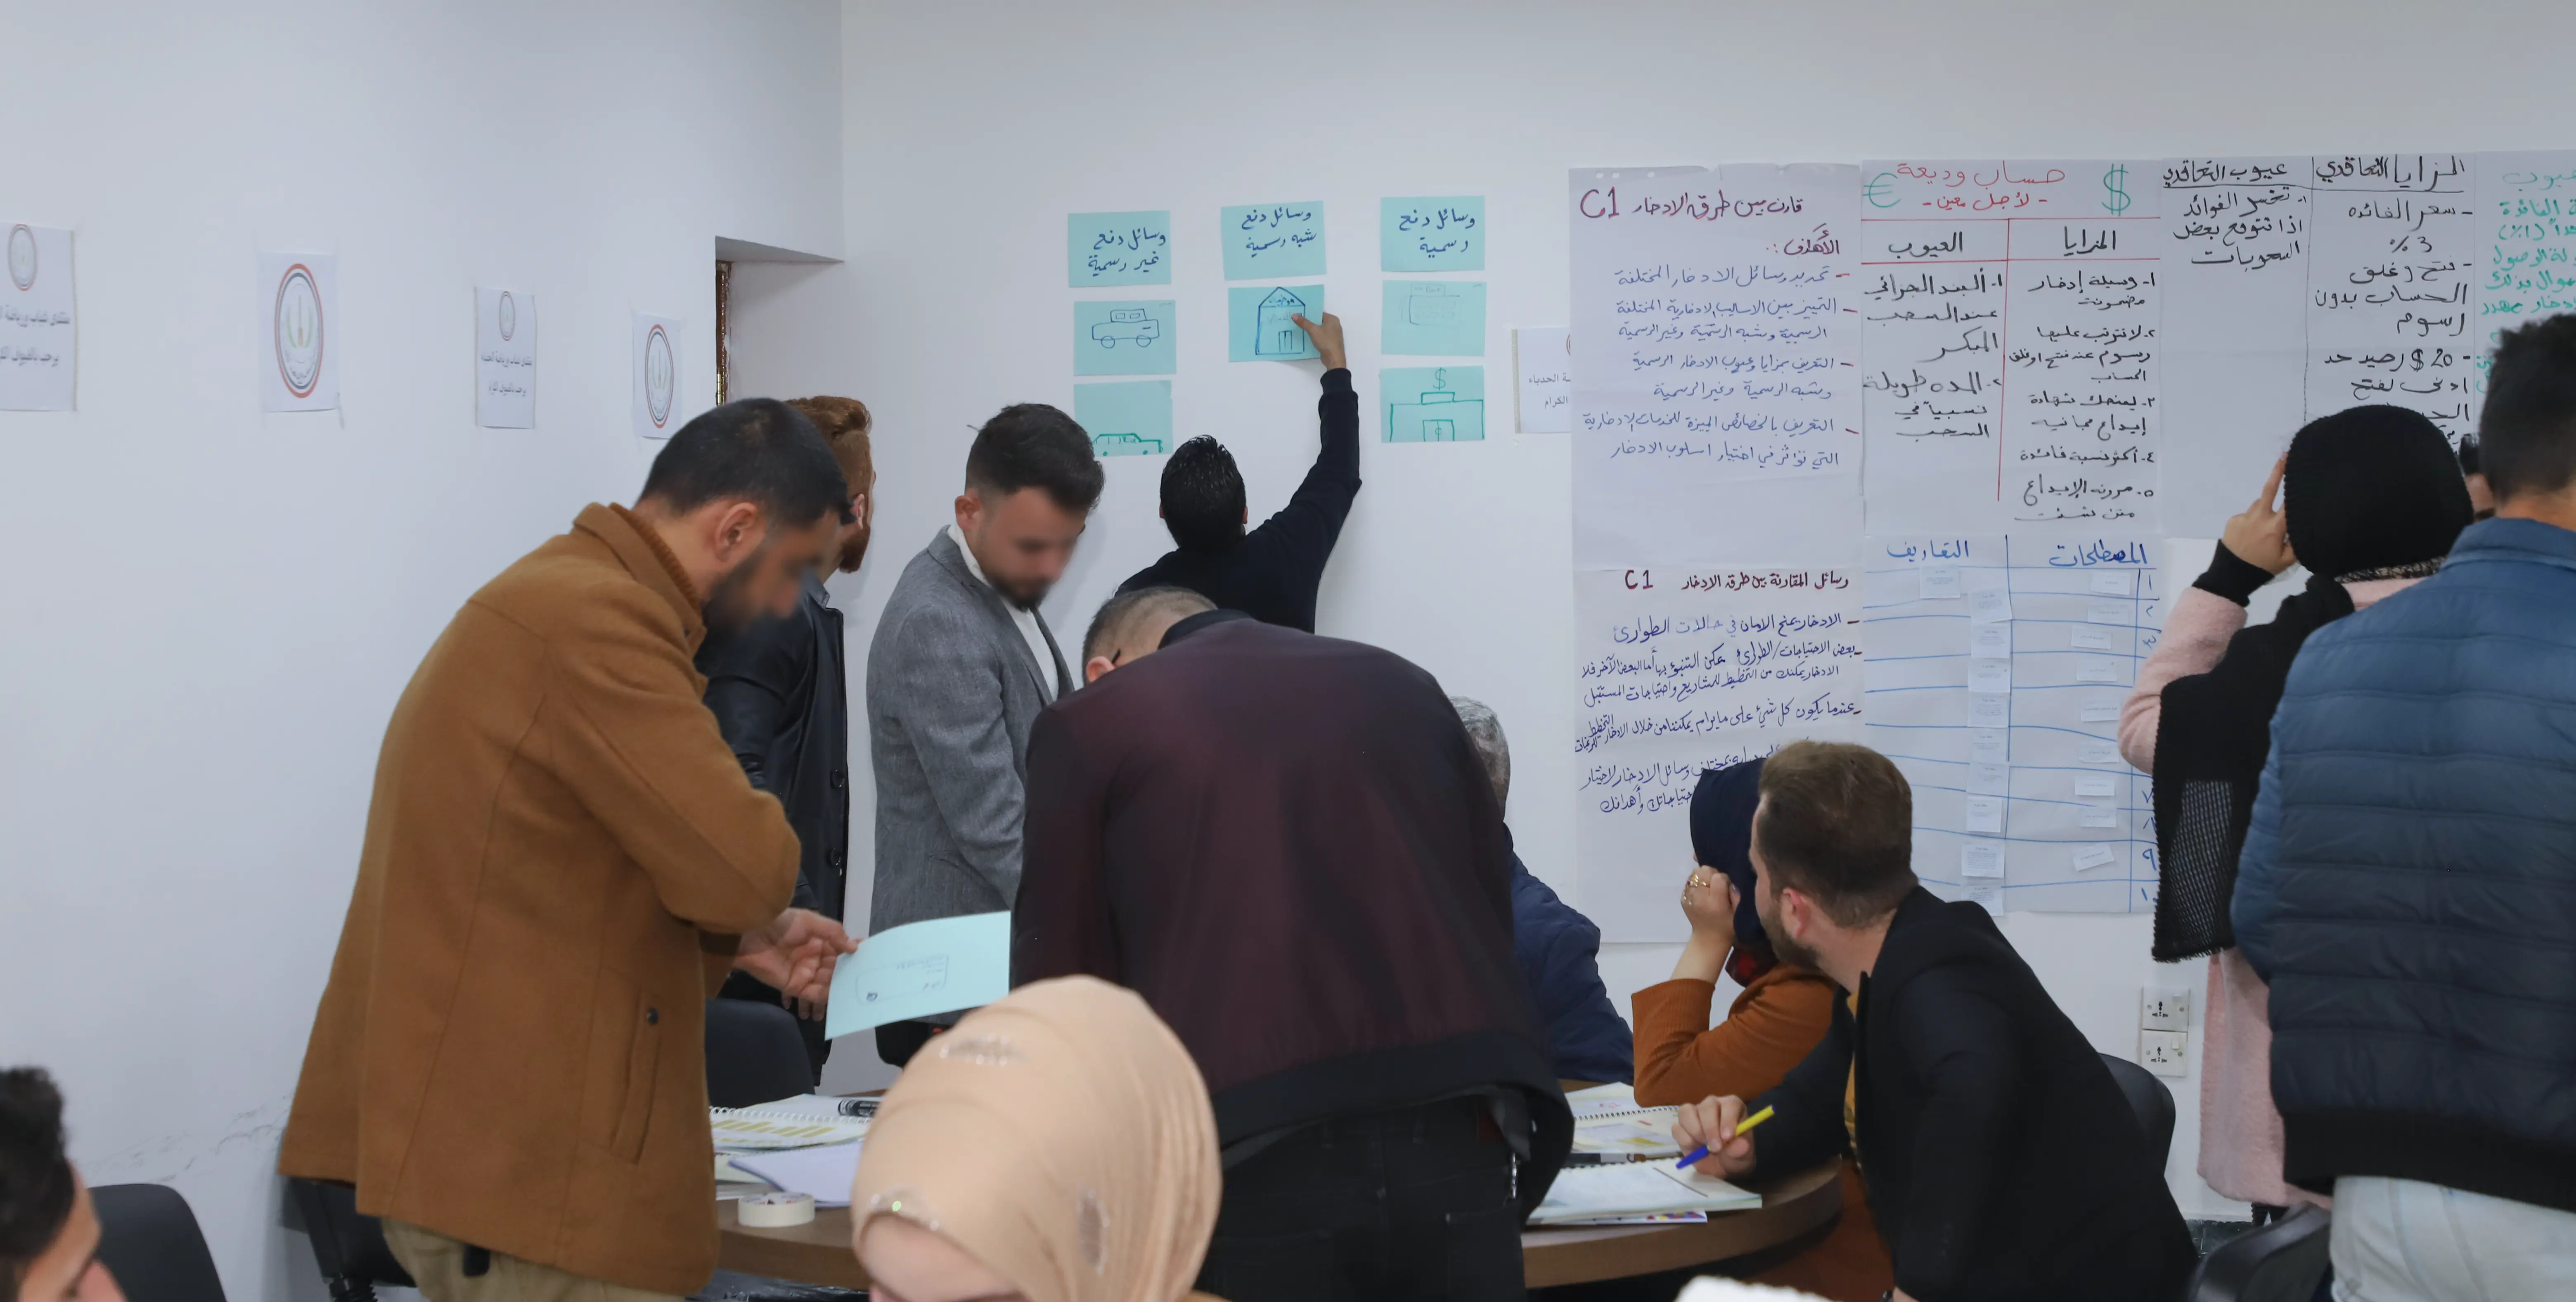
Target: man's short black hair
column 1033, row 445
column 1203, row 496
column 36, row 1189
column 2527, row 431
column 758, row 450
column 1124, row 612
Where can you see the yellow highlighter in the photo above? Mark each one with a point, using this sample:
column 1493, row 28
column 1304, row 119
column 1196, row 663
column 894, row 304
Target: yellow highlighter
column 1700, row 1154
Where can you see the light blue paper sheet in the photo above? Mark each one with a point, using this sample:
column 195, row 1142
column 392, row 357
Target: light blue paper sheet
column 1432, row 233
column 920, row 970
column 1272, row 241
column 1434, row 318
column 1118, row 248
column 1123, row 336
column 1433, row 404
column 1129, row 419
column 1258, row 328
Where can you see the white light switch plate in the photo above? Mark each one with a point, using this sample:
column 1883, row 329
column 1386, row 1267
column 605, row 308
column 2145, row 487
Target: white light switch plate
column 2164, row 1008
column 2164, row 1052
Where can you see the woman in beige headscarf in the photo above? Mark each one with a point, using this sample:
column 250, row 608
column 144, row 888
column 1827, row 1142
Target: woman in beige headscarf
column 1055, row 1147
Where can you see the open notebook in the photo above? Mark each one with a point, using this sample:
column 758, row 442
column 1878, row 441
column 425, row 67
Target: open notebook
column 1590, row 1193
column 1609, row 1122
column 788, row 1123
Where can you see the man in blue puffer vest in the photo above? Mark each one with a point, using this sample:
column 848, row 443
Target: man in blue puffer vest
column 2408, row 887
column 1559, row 949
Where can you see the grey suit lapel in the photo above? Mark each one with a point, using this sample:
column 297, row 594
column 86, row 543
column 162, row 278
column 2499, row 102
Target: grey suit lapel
column 944, row 550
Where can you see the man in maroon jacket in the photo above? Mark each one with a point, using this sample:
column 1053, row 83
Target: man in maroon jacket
column 1288, row 846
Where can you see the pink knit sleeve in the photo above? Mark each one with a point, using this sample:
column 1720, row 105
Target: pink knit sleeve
column 2195, row 637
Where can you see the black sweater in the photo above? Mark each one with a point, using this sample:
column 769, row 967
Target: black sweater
column 1272, row 573
column 2002, row 1161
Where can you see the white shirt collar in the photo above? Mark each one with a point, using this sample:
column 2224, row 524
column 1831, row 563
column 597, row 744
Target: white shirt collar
column 958, row 537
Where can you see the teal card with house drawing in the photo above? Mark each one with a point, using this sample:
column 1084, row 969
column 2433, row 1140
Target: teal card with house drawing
column 1261, row 321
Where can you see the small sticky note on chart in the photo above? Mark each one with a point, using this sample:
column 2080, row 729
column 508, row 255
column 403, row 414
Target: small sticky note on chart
column 1990, row 675
column 1989, row 779
column 1989, row 745
column 1989, row 710
column 2100, row 816
column 2093, row 786
column 2103, row 612
column 2098, row 712
column 1981, row 859
column 1990, row 639
column 1988, row 894
column 2094, row 856
column 2086, row 638
column 1986, row 814
column 2113, row 583
column 2097, row 671
column 2102, row 753
column 1992, row 606
column 1940, row 582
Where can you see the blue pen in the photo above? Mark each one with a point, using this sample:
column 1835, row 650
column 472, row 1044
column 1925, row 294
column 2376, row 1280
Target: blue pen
column 1700, row 1154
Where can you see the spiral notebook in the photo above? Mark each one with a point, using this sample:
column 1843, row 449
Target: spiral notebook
column 789, row 1123
column 1609, row 1123
column 1591, row 1193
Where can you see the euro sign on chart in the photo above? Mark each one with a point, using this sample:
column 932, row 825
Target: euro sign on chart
column 2116, row 197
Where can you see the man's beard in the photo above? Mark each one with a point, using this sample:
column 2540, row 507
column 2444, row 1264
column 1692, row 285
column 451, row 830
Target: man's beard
column 1017, row 600
column 1783, row 945
column 726, row 610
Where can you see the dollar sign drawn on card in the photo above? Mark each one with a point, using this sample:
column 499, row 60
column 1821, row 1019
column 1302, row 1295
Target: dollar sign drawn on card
column 2114, row 182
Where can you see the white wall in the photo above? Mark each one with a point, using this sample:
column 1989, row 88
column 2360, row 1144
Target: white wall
column 213, row 610
column 972, row 130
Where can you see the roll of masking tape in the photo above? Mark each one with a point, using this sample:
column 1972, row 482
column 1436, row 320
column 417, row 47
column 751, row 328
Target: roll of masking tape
column 771, row 1211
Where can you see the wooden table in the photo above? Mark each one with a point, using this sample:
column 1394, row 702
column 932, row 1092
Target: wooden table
column 819, row 1253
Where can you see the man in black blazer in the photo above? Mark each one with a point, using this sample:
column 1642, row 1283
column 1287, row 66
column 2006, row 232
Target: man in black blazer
column 2002, row 1161
column 781, row 695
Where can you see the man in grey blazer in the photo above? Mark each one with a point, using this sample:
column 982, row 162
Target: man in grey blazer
column 961, row 664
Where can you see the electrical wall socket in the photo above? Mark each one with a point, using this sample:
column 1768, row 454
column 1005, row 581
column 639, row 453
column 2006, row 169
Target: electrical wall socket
column 2164, row 1008
column 2164, row 1052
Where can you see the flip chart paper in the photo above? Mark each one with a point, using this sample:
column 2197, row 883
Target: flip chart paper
column 1130, row 418
column 921, row 969
column 1261, row 325
column 299, row 331
column 1683, row 669
column 1546, row 374
column 38, row 333
column 1124, row 336
column 2011, row 769
column 1267, row 241
column 1118, row 248
column 1434, row 318
column 505, row 358
column 1441, row 233
column 659, row 409
column 1716, row 380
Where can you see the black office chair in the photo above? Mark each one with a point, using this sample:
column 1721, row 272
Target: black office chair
column 755, row 1054
column 348, row 1244
column 149, row 1240
column 2149, row 1098
column 2280, row 1262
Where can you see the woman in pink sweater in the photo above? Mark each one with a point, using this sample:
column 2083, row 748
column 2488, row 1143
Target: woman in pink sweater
column 2371, row 499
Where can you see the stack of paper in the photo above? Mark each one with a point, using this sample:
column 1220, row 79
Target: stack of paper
column 827, row 1172
column 1585, row 1193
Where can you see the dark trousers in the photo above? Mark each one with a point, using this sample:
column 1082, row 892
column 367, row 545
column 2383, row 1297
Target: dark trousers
column 898, row 1041
column 743, row 985
column 1413, row 1203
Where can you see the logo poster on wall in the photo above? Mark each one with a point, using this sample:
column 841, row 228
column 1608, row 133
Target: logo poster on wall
column 36, row 333
column 658, row 407
column 505, row 358
column 299, row 324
